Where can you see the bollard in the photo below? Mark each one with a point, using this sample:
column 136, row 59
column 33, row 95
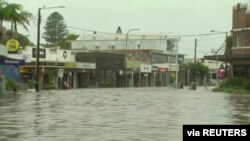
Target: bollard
column 2, row 88
column 192, row 86
column 2, row 83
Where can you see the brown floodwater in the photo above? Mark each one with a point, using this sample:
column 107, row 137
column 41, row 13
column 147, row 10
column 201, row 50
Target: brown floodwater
column 120, row 114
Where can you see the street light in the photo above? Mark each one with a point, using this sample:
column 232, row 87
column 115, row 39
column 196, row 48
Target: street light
column 217, row 63
column 205, row 54
column 126, row 54
column 38, row 44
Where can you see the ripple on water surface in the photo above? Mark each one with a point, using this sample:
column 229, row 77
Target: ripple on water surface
column 121, row 114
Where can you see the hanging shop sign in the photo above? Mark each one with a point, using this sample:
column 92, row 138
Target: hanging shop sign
column 12, row 45
column 60, row 73
column 64, row 55
column 146, row 68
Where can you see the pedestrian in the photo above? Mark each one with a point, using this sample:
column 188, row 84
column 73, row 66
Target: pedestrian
column 65, row 85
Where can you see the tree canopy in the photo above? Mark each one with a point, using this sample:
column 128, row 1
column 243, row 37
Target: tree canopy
column 119, row 30
column 55, row 28
column 14, row 14
column 64, row 42
column 197, row 69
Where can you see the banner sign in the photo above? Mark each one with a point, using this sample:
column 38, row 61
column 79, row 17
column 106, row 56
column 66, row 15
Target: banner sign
column 5, row 61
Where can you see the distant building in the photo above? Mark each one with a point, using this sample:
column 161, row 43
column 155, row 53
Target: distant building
column 151, row 60
column 212, row 65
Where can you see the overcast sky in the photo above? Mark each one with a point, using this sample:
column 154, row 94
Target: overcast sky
column 180, row 17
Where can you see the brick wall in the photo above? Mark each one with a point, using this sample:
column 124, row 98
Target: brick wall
column 241, row 50
column 241, row 19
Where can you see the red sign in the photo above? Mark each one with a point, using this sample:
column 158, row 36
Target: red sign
column 161, row 70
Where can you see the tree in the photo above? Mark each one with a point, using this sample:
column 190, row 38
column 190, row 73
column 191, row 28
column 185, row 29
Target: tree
column 55, row 28
column 23, row 40
column 13, row 13
column 119, row 30
column 64, row 44
column 197, row 69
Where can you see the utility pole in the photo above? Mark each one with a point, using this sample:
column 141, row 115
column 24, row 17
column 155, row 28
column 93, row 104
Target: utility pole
column 38, row 46
column 227, row 55
column 126, row 77
column 38, row 51
column 195, row 45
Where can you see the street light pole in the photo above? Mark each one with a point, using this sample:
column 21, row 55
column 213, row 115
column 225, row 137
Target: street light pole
column 205, row 77
column 37, row 50
column 38, row 46
column 177, row 63
column 126, row 54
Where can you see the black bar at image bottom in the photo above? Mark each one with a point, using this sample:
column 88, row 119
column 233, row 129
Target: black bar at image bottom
column 216, row 132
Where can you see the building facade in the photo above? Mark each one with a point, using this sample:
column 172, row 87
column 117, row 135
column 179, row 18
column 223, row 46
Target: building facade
column 240, row 57
column 148, row 61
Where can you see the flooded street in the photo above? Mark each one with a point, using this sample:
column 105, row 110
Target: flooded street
column 132, row 114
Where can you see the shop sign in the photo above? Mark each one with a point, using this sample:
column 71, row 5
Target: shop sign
column 86, row 65
column 12, row 45
column 70, row 65
column 120, row 72
column 42, row 53
column 146, row 68
column 173, row 74
column 5, row 61
column 162, row 70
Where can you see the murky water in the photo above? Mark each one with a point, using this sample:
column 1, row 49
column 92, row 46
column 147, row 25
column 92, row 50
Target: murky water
column 133, row 114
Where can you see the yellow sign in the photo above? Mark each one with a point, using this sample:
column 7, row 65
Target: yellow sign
column 70, row 65
column 12, row 45
column 173, row 75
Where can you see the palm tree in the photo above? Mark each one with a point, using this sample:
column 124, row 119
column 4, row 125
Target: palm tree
column 14, row 13
column 2, row 17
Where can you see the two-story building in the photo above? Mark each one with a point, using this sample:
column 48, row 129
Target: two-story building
column 149, row 61
column 237, row 46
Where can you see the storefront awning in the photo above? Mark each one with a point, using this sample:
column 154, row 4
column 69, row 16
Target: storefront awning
column 231, row 57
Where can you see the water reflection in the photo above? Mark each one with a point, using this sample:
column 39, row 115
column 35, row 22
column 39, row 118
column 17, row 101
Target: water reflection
column 116, row 114
column 241, row 108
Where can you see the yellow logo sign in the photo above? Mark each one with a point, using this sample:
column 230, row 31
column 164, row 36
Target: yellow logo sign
column 173, row 75
column 12, row 45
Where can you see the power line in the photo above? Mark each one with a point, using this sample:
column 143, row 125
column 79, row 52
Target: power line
column 141, row 35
